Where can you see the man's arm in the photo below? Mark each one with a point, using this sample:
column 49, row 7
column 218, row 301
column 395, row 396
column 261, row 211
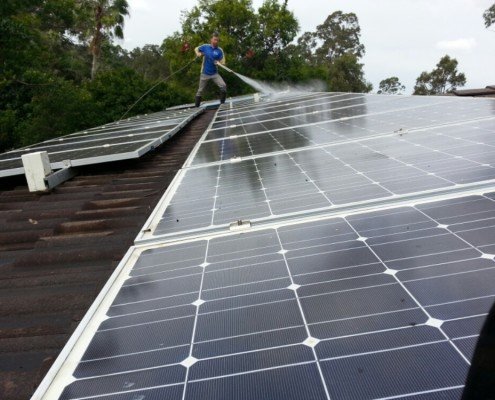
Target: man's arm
column 198, row 51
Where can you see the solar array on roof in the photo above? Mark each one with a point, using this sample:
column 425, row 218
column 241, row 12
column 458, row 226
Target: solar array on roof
column 127, row 139
column 335, row 157
column 363, row 267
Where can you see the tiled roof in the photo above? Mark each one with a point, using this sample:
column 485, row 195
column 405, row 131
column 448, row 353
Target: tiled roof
column 489, row 91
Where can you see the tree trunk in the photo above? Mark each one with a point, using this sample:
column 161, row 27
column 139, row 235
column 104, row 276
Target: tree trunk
column 96, row 42
column 95, row 65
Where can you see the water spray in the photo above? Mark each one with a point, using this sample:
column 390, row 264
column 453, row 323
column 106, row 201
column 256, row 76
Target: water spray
column 256, row 85
column 277, row 89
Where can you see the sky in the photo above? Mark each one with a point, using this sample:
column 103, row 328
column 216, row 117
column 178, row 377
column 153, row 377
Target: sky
column 402, row 37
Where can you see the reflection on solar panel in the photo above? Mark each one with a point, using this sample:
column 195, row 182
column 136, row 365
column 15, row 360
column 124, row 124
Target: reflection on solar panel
column 366, row 273
column 116, row 141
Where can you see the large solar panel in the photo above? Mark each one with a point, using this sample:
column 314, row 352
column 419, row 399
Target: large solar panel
column 121, row 140
column 341, row 308
column 264, row 179
column 365, row 272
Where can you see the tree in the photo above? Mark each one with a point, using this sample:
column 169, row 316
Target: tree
column 114, row 91
column 489, row 16
column 336, row 47
column 149, row 62
column 445, row 78
column 35, row 54
column 100, row 21
column 391, row 85
column 59, row 108
column 277, row 26
column 30, row 33
column 346, row 74
column 339, row 34
column 306, row 45
column 234, row 20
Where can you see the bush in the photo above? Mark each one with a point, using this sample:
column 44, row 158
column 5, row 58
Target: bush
column 56, row 110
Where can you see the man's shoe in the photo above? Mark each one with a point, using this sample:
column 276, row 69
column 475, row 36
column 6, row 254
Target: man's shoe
column 198, row 101
column 223, row 96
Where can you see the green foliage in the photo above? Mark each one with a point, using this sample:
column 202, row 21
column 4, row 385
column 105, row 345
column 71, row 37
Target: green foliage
column 8, row 121
column 149, row 62
column 340, row 35
column 445, row 78
column 29, row 31
column 234, row 20
column 346, row 74
column 59, row 107
column 44, row 81
column 489, row 16
column 114, row 91
column 391, row 85
column 277, row 26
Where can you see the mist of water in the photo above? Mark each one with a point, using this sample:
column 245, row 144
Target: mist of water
column 275, row 89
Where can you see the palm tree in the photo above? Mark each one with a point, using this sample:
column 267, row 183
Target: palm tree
column 102, row 19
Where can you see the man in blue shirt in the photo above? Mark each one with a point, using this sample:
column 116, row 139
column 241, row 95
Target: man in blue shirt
column 212, row 55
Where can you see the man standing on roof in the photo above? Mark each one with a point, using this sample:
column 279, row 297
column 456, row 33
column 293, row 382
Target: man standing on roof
column 212, row 55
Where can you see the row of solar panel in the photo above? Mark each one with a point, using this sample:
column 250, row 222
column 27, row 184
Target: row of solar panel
column 267, row 185
column 120, row 140
column 346, row 306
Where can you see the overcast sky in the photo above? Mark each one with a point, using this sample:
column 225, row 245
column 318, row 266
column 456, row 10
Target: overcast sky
column 402, row 37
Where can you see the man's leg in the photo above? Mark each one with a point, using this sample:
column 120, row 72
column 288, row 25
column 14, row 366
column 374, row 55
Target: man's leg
column 222, row 86
column 203, row 81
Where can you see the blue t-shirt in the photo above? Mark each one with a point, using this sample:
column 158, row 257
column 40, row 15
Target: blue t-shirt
column 211, row 54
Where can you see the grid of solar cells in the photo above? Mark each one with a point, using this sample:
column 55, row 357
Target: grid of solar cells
column 120, row 140
column 327, row 176
column 325, row 104
column 228, row 114
column 378, row 305
column 362, row 117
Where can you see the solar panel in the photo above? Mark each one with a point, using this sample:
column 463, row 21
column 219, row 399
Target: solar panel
column 333, row 308
column 368, row 116
column 116, row 141
column 363, row 268
column 273, row 178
